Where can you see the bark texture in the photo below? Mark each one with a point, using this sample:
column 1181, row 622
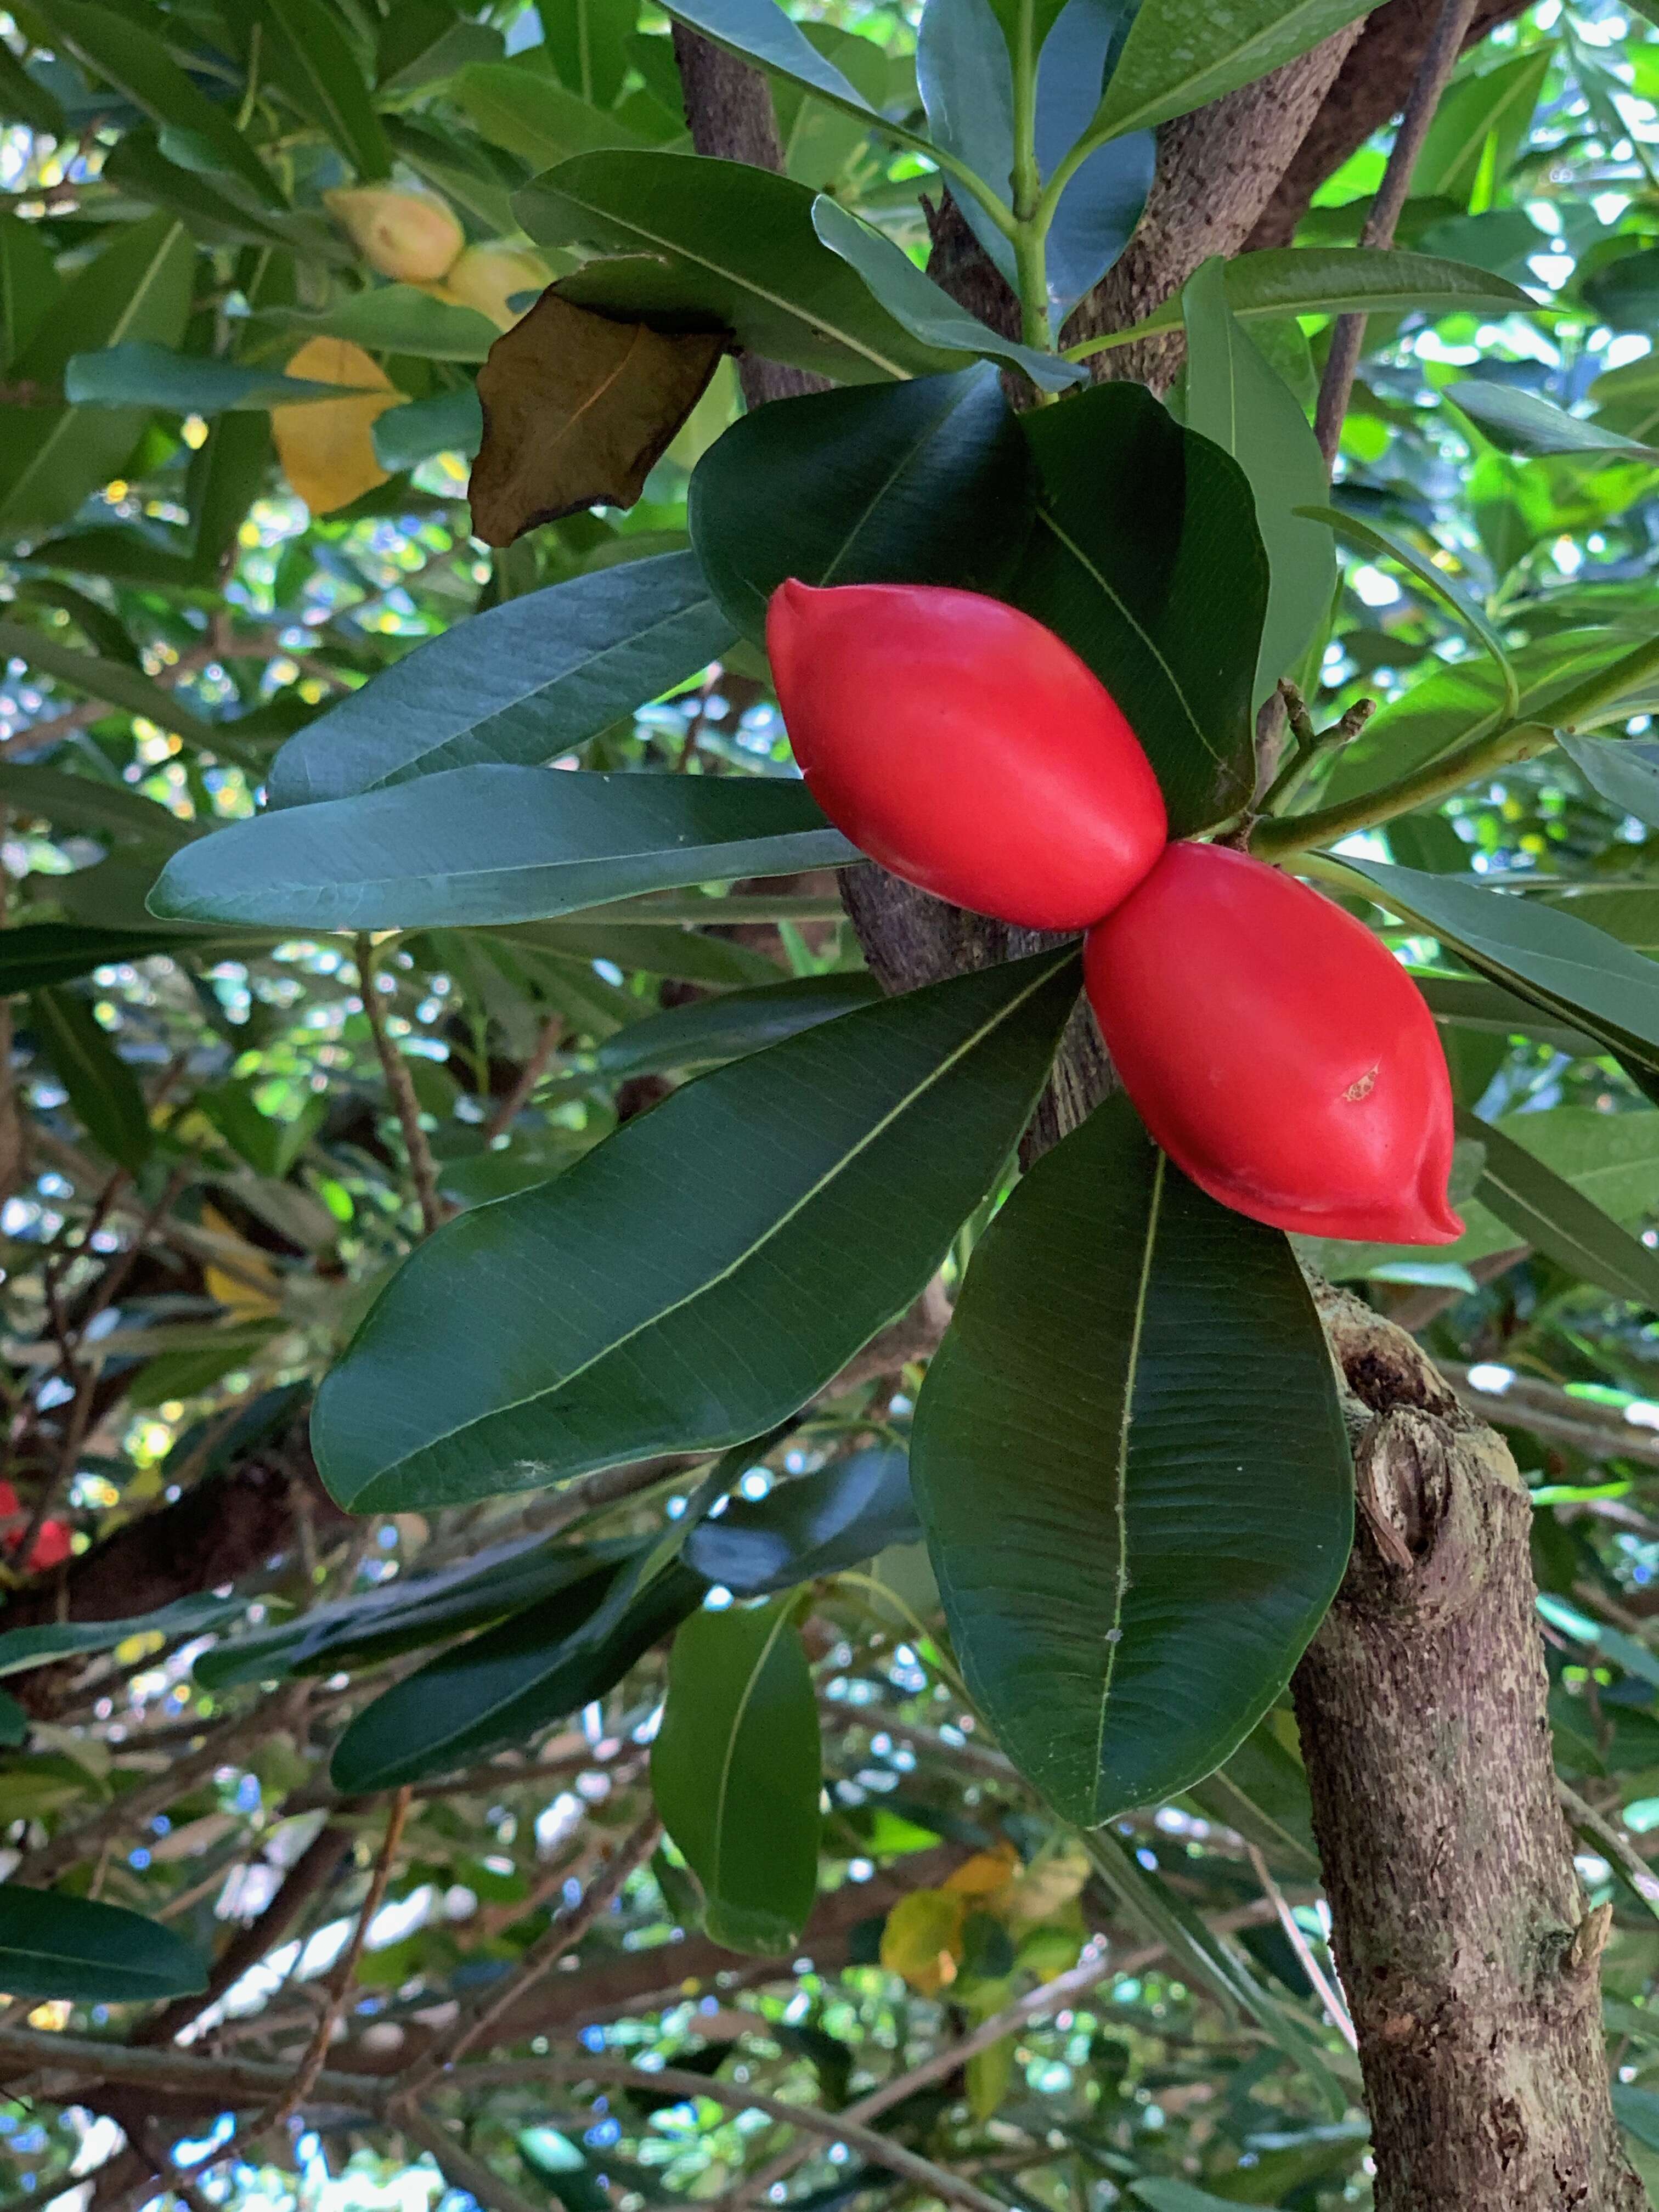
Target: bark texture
column 1469, row 1955
column 1371, row 86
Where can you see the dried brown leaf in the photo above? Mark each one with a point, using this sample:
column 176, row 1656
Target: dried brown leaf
column 577, row 407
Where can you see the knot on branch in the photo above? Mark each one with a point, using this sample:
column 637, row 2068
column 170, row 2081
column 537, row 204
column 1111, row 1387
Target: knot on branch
column 1424, row 1534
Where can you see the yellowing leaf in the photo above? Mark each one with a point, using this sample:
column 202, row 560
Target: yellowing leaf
column 577, row 409
column 327, row 449
column 922, row 1938
column 241, row 1295
column 1048, row 1884
column 984, row 1874
column 988, row 2077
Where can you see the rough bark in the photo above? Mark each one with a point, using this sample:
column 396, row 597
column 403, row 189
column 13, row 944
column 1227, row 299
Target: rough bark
column 1467, row 1953
column 1372, row 86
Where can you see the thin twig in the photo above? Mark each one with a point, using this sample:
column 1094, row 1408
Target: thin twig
column 1336, row 2010
column 1348, row 338
column 311, row 2066
column 398, row 1083
column 542, row 1955
column 526, row 1079
column 460, row 2168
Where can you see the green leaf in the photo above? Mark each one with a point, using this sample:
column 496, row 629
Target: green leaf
column 137, row 287
column 931, row 315
column 1521, row 422
column 1383, row 544
column 119, row 52
column 1316, row 280
column 494, row 844
column 421, row 43
column 24, row 1648
column 815, row 1525
column 450, row 423
column 102, row 1089
column 736, row 1772
column 529, row 679
column 213, row 210
column 1146, row 559
column 964, row 73
column 1103, row 203
column 24, row 99
column 929, row 482
column 499, row 1688
column 587, row 43
column 53, row 1946
column 710, row 1030
column 427, row 1608
column 395, row 319
column 309, row 57
column 144, row 376
column 59, row 951
column 1558, row 963
column 1164, row 2193
column 533, row 116
column 116, row 682
column 1130, row 1460
column 1544, row 1209
column 717, row 245
column 761, row 31
column 28, row 282
column 1176, row 58
column 531, row 1341
column 1239, row 404
column 85, row 802
column 1494, row 104
column 1625, row 773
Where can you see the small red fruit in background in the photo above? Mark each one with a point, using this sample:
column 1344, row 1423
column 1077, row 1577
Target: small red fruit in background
column 965, row 748
column 1276, row 1050
column 52, row 1547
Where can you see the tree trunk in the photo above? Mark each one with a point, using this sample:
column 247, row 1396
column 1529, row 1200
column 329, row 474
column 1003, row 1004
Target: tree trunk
column 1459, row 1921
column 1467, row 1954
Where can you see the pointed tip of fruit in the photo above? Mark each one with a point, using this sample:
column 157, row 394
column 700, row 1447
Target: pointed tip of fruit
column 784, row 614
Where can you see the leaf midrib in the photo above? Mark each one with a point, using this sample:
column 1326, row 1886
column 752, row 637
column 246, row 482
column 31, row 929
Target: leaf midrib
column 722, row 1789
column 878, row 1129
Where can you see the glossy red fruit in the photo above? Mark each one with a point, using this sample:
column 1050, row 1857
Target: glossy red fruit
column 1276, row 1050
column 960, row 743
column 52, row 1547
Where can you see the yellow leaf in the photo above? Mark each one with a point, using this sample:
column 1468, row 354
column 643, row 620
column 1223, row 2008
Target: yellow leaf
column 986, row 1874
column 487, row 276
column 577, row 409
column 327, row 449
column 242, row 1295
column 922, row 1940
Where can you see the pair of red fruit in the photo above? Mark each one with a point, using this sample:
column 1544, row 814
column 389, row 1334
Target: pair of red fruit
column 1274, row 1049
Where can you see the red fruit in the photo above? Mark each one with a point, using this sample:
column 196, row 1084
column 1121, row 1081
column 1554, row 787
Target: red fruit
column 51, row 1547
column 7, row 1500
column 1279, row 1053
column 964, row 747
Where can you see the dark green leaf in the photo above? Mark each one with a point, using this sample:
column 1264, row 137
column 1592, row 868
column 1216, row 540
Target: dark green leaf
column 529, row 679
column 51, row 458
column 1102, row 204
column 1625, row 292
column 52, row 1945
column 533, row 116
column 716, row 245
column 144, row 375
column 28, row 282
column 1146, row 559
column 453, row 423
column 929, row 482
column 929, row 314
column 1131, row 1463
column 59, row 951
column 735, row 1771
column 116, row 682
column 24, row 99
column 1625, row 773
column 500, row 1687
column 582, row 1324
column 710, row 1030
column 135, row 61
column 1176, row 58
column 759, row 30
column 1544, row 1209
column 1239, row 404
column 1560, row 964
column 494, row 844
column 85, row 802
column 396, row 319
column 309, row 56
column 358, row 1631
column 815, row 1524
column 102, row 1089
column 1521, row 422
column 24, row 1648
